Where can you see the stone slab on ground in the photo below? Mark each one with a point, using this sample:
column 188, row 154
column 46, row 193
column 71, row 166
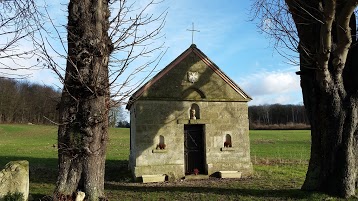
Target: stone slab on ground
column 195, row 177
column 230, row 174
column 15, row 178
column 153, row 178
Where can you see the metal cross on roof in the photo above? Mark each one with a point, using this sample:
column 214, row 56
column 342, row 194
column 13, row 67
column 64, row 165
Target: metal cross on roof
column 192, row 33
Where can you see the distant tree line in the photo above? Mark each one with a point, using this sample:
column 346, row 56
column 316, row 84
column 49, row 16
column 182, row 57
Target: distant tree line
column 278, row 116
column 25, row 102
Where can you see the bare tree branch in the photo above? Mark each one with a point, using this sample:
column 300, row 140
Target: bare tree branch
column 17, row 27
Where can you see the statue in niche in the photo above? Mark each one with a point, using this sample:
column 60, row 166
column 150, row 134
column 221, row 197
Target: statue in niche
column 192, row 113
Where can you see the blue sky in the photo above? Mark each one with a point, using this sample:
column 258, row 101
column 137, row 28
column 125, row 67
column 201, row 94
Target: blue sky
column 227, row 37
column 233, row 42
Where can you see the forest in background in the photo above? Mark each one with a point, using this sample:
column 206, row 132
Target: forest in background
column 25, row 102
column 29, row 103
column 277, row 117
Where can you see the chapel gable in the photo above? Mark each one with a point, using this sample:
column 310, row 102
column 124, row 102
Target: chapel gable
column 192, row 76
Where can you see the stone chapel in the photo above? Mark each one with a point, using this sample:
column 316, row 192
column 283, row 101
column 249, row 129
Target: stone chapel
column 190, row 118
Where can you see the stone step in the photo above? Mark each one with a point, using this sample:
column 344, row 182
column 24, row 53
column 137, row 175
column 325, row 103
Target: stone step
column 194, row 177
column 153, row 178
column 230, row 174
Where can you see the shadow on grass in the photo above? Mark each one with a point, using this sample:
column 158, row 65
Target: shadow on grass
column 43, row 173
column 117, row 171
column 41, row 197
column 254, row 193
column 44, row 170
column 44, row 162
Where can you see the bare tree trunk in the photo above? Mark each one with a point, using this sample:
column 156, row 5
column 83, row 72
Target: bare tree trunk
column 326, row 62
column 84, row 106
column 332, row 167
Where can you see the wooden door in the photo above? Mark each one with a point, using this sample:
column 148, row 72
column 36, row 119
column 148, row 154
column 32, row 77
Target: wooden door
column 194, row 154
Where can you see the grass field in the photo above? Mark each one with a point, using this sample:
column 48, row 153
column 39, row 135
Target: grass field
column 282, row 145
column 280, row 161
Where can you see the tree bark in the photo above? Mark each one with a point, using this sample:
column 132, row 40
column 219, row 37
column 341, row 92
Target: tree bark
column 332, row 167
column 327, row 58
column 84, row 105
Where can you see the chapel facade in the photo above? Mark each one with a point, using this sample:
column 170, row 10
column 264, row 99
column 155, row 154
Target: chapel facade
column 190, row 118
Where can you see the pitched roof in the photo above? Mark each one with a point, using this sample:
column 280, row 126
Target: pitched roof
column 204, row 58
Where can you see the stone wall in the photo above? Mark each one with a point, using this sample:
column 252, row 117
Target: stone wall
column 167, row 118
column 15, row 178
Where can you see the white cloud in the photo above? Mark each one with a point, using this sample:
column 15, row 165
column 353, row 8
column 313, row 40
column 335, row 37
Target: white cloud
column 283, row 98
column 270, row 82
column 273, row 87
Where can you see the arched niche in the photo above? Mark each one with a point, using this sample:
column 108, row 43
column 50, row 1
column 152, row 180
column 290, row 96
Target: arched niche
column 228, row 141
column 194, row 111
column 161, row 144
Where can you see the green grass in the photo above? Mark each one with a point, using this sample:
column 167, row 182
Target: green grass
column 277, row 175
column 31, row 142
column 289, row 145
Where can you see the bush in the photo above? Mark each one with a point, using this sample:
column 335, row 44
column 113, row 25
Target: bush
column 123, row 124
column 17, row 196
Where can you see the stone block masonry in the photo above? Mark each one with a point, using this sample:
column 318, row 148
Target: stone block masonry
column 196, row 114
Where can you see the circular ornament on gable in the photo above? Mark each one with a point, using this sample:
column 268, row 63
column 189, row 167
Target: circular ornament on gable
column 193, row 76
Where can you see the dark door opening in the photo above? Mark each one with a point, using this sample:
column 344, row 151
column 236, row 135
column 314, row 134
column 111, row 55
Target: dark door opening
column 194, row 154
